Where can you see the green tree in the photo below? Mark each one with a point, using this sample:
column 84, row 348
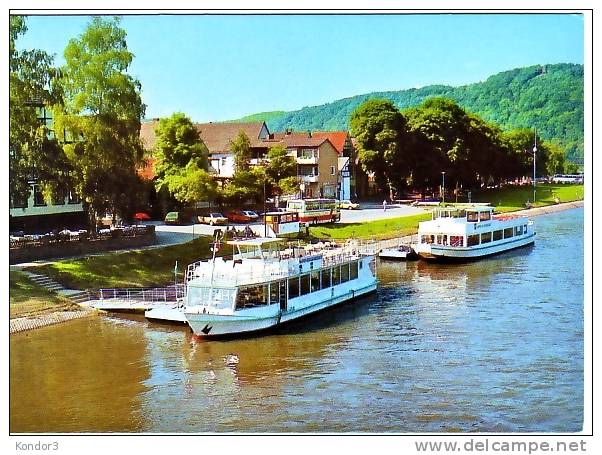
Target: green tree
column 100, row 116
column 182, row 163
column 281, row 171
column 379, row 129
column 556, row 159
column 241, row 148
column 33, row 150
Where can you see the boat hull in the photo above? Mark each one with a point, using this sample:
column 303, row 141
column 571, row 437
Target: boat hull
column 443, row 253
column 236, row 325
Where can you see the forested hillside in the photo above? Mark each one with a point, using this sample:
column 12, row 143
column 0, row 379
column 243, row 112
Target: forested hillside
column 548, row 97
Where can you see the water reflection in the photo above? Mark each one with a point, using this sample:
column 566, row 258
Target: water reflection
column 494, row 345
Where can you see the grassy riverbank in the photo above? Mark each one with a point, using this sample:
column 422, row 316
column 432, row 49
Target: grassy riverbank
column 29, row 299
column 138, row 268
column 512, row 198
column 379, row 229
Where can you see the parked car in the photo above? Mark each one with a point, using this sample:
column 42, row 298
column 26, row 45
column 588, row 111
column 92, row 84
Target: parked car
column 213, row 219
column 251, row 214
column 236, row 216
column 173, row 218
column 347, row 204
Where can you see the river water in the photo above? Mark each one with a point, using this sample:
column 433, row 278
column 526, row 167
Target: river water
column 490, row 346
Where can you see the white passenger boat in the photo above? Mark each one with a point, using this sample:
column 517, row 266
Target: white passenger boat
column 471, row 233
column 262, row 286
column 401, row 253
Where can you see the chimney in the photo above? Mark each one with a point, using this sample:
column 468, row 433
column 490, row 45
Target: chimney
column 308, row 133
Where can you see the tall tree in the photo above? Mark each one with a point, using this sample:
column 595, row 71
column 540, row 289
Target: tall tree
column 182, row 163
column 100, row 117
column 281, row 170
column 33, row 150
column 241, row 148
column 379, row 128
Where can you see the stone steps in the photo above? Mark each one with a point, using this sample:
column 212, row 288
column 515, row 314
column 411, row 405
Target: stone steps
column 76, row 296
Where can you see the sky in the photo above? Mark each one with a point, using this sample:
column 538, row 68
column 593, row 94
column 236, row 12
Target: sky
column 218, row 67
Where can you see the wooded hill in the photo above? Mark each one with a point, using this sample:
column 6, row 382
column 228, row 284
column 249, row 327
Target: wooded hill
column 546, row 97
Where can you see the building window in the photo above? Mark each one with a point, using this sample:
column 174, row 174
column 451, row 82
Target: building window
column 38, row 197
column 74, row 198
column 19, row 202
column 332, row 170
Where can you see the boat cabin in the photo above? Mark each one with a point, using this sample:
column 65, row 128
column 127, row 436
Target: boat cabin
column 469, row 227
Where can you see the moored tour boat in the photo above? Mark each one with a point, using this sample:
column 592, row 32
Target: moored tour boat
column 401, row 253
column 262, row 287
column 473, row 232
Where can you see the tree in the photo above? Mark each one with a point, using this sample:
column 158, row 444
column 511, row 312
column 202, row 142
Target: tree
column 281, row 171
column 241, row 148
column 33, row 151
column 182, row 163
column 379, row 129
column 100, row 116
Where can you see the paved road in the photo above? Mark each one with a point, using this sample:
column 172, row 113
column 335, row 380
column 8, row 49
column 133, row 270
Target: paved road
column 169, row 235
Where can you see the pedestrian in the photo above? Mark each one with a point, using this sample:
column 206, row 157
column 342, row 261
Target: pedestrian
column 385, row 205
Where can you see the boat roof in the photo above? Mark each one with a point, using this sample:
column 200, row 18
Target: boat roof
column 258, row 241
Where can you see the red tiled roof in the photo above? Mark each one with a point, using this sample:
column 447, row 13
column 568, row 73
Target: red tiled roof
column 336, row 138
column 217, row 136
column 147, row 134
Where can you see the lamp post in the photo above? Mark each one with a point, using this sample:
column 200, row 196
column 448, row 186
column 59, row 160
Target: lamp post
column 265, row 226
column 534, row 160
column 443, row 191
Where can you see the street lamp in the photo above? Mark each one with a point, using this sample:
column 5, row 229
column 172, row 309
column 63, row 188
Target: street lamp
column 443, row 195
column 534, row 159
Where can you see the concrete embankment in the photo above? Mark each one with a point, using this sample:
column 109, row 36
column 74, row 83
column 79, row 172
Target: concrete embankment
column 551, row 208
column 34, row 322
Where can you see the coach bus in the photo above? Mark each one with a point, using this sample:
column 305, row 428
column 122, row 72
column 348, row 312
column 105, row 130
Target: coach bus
column 315, row 211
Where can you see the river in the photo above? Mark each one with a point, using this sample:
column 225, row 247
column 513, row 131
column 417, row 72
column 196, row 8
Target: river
column 490, row 346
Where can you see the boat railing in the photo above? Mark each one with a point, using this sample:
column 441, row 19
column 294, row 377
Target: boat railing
column 167, row 294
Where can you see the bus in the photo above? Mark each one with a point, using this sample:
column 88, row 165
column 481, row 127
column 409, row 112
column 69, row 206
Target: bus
column 568, row 178
column 315, row 211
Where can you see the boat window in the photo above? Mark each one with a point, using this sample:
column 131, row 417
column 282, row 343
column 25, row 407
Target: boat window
column 353, row 271
column 252, row 296
column 315, row 281
column 508, row 233
column 498, row 235
column 460, row 214
column 325, row 278
column 305, row 284
column 427, row 239
column 485, row 216
column 456, row 240
column 282, row 285
column 274, row 292
column 344, row 272
column 472, row 216
column 441, row 239
column 361, row 265
column 518, row 230
column 293, row 287
column 486, row 237
column 525, row 229
column 472, row 240
column 336, row 275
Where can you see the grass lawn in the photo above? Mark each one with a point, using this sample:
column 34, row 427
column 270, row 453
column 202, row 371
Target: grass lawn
column 379, row 229
column 140, row 268
column 29, row 299
column 514, row 197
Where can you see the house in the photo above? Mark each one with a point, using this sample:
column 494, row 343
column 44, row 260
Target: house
column 36, row 214
column 218, row 138
column 317, row 163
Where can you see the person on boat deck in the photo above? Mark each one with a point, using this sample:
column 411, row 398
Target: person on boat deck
column 385, row 205
column 248, row 231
